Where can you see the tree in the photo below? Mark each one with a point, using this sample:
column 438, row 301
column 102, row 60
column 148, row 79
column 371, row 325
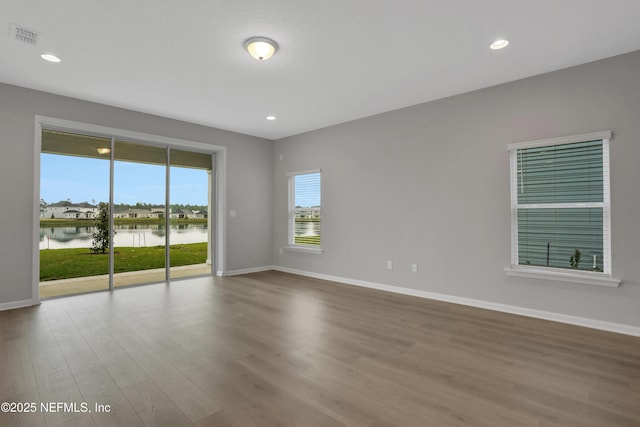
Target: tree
column 101, row 238
column 574, row 260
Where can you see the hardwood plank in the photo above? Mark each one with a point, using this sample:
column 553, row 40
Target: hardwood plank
column 349, row 409
column 68, row 394
column 239, row 408
column 15, row 419
column 288, row 409
column 154, row 406
column 222, row 418
column 274, row 349
column 103, row 391
column 51, row 370
column 184, row 393
column 16, row 370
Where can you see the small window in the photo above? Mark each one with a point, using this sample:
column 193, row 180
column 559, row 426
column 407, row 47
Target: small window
column 560, row 209
column 304, row 210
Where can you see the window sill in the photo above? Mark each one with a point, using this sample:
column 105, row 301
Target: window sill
column 304, row 249
column 587, row 278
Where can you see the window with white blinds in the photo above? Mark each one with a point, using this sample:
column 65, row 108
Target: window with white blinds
column 560, row 210
column 304, row 209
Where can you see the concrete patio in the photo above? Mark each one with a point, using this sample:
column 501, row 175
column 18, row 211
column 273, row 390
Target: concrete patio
column 54, row 288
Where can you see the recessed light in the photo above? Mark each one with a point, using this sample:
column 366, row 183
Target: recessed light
column 104, row 150
column 49, row 57
column 270, row 117
column 499, row 44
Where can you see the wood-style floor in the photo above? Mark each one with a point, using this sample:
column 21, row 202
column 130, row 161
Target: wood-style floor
column 273, row 349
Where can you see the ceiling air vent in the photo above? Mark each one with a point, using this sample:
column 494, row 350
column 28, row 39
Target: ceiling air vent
column 22, row 34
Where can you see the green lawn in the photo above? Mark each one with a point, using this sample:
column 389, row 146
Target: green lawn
column 68, row 263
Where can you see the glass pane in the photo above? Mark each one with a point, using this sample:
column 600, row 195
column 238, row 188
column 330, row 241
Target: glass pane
column 74, row 185
column 190, row 232
column 307, row 209
column 561, row 238
column 567, row 173
column 139, row 212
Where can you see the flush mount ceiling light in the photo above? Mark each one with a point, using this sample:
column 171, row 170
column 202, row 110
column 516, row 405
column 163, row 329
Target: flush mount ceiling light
column 499, row 44
column 271, row 117
column 104, row 150
column 261, row 48
column 50, row 57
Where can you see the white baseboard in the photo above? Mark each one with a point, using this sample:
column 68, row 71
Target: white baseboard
column 16, row 304
column 512, row 309
column 522, row 311
column 246, row 271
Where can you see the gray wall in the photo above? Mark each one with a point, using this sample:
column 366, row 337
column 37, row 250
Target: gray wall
column 427, row 184
column 249, row 175
column 430, row 184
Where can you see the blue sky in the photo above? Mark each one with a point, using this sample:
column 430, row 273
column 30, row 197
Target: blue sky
column 87, row 180
column 307, row 190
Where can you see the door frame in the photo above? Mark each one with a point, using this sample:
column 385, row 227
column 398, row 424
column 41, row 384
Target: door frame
column 218, row 190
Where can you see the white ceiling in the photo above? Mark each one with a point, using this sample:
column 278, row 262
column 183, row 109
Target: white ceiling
column 339, row 60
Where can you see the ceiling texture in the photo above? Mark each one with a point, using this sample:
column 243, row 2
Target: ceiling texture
column 339, row 60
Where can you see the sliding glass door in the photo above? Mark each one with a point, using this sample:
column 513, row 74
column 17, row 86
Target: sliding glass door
column 139, row 196
column 135, row 212
column 74, row 193
column 190, row 177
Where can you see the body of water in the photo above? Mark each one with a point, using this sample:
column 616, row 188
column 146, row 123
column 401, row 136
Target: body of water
column 139, row 235
column 307, row 228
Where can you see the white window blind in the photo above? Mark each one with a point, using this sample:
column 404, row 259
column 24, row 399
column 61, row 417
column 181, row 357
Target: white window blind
column 560, row 211
column 304, row 209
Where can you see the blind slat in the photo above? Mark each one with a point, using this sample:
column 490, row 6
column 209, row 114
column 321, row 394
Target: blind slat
column 561, row 174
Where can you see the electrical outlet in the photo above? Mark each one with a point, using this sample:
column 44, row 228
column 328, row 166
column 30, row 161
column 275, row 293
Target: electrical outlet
column 414, row 268
column 389, row 264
